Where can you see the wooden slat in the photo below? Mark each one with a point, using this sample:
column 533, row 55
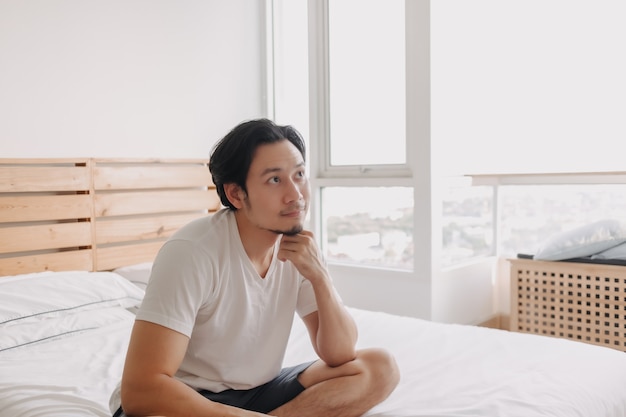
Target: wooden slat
column 134, row 229
column 116, row 256
column 41, row 198
column 43, row 178
column 77, row 260
column 42, row 237
column 167, row 161
column 44, row 161
column 46, row 207
column 120, row 204
column 151, row 176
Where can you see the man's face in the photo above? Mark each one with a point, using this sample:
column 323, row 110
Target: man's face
column 278, row 189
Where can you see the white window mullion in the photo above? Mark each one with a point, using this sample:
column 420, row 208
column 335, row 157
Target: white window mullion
column 318, row 85
column 270, row 69
column 318, row 106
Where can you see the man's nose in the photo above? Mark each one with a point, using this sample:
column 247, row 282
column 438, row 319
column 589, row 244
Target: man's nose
column 294, row 191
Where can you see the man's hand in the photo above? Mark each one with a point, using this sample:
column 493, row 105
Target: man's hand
column 332, row 329
column 302, row 251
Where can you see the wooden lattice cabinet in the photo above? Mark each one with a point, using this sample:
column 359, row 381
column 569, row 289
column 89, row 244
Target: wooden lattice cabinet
column 572, row 300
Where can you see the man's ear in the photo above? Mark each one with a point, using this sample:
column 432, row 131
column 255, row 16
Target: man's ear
column 235, row 194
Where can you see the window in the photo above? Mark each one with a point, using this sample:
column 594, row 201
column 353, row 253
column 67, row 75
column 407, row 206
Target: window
column 366, row 124
column 495, row 98
column 366, row 61
column 358, row 158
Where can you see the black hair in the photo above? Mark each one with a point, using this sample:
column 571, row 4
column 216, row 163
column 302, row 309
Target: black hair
column 232, row 155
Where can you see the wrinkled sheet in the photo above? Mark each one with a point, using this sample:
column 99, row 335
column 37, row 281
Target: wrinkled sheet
column 455, row 370
column 68, row 376
column 447, row 370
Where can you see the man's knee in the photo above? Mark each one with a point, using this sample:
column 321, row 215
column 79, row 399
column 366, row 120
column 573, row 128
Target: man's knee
column 381, row 368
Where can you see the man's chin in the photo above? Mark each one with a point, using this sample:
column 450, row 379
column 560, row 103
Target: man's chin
column 290, row 232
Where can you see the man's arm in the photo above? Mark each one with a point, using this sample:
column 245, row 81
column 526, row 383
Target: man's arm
column 332, row 329
column 148, row 384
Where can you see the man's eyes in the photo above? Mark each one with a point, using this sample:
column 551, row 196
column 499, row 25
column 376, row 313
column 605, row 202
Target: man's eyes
column 276, row 180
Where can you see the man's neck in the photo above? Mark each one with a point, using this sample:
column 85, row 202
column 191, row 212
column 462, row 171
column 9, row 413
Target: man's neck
column 258, row 243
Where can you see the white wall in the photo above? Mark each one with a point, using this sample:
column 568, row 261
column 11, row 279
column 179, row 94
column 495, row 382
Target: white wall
column 396, row 292
column 540, row 84
column 127, row 78
column 467, row 293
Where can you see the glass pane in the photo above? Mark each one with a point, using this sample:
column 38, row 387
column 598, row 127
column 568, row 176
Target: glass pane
column 467, row 224
column 531, row 214
column 360, row 226
column 367, row 82
column 291, row 64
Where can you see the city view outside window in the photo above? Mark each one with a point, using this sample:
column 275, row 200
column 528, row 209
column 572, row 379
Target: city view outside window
column 530, row 214
column 368, row 226
column 467, row 224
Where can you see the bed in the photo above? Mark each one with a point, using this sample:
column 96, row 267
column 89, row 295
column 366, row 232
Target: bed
column 76, row 241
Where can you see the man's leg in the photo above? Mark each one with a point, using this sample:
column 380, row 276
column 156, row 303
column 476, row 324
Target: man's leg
column 348, row 390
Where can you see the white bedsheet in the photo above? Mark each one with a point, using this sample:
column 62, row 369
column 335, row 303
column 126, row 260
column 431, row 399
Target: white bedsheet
column 447, row 370
column 454, row 370
column 69, row 376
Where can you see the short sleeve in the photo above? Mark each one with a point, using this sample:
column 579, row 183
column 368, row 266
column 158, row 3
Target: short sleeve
column 179, row 285
column 306, row 298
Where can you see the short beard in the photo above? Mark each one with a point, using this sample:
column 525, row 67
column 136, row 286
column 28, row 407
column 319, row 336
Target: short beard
column 291, row 232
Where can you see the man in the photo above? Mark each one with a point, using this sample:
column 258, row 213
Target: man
column 211, row 333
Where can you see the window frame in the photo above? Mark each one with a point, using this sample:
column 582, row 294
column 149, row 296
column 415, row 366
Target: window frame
column 416, row 172
column 319, row 113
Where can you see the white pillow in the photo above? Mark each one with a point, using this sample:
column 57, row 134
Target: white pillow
column 616, row 252
column 33, row 297
column 138, row 274
column 583, row 241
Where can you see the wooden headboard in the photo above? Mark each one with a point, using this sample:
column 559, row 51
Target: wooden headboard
column 95, row 214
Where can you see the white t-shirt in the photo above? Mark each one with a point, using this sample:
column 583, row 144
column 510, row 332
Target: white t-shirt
column 204, row 286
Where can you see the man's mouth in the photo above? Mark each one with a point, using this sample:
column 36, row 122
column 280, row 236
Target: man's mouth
column 293, row 212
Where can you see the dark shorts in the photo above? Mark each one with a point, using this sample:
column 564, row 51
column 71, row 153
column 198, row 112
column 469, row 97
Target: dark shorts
column 264, row 398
